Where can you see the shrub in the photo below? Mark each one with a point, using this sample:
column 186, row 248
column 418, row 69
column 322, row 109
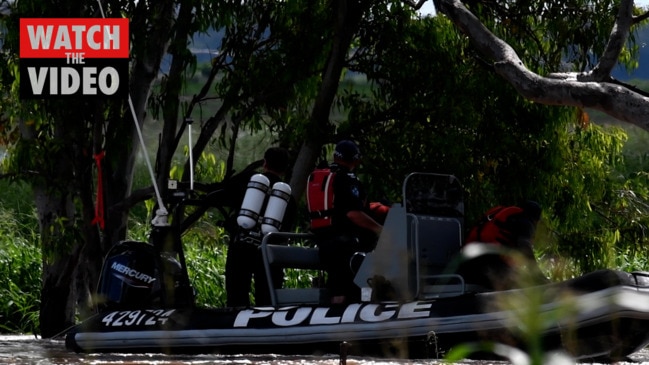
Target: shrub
column 20, row 261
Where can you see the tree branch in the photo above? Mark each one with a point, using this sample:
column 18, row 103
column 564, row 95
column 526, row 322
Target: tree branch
column 639, row 18
column 415, row 5
column 568, row 89
column 616, row 41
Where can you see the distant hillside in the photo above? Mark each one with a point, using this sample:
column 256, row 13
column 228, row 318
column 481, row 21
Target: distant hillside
column 206, row 45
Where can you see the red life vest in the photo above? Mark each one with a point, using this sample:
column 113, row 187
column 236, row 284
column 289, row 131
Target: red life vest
column 320, row 197
column 492, row 227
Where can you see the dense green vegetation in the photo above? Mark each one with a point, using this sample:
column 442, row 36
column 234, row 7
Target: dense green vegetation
column 20, row 260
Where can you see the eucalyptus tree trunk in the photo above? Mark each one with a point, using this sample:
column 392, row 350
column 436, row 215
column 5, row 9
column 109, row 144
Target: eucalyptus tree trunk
column 73, row 256
column 346, row 21
column 58, row 292
column 60, row 243
column 170, row 108
column 152, row 28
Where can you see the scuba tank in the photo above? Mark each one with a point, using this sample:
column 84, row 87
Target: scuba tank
column 276, row 207
column 253, row 201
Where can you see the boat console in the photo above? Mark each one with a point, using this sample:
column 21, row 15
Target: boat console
column 420, row 237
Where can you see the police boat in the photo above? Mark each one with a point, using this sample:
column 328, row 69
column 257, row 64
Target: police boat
column 412, row 305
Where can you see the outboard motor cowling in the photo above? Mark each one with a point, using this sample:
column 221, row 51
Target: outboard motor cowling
column 137, row 275
column 130, row 276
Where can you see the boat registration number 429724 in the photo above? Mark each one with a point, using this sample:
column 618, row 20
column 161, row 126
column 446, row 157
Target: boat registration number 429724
column 148, row 317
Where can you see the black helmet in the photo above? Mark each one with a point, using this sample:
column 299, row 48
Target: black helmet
column 347, row 150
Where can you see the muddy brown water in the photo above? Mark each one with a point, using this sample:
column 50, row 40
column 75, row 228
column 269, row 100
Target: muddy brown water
column 26, row 350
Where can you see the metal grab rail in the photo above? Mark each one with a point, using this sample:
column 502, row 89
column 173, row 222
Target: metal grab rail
column 288, row 256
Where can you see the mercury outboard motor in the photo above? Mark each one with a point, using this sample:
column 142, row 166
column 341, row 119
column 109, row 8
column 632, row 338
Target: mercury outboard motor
column 145, row 275
column 130, row 276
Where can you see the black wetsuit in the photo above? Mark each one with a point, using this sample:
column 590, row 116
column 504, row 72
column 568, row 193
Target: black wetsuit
column 343, row 238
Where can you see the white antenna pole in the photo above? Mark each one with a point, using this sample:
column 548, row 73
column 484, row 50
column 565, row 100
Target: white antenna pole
column 161, row 206
column 191, row 152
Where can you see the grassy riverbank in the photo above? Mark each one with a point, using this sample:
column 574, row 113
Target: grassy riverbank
column 20, row 260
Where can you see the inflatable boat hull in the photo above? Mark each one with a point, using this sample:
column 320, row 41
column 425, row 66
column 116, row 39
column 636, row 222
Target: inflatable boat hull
column 609, row 322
